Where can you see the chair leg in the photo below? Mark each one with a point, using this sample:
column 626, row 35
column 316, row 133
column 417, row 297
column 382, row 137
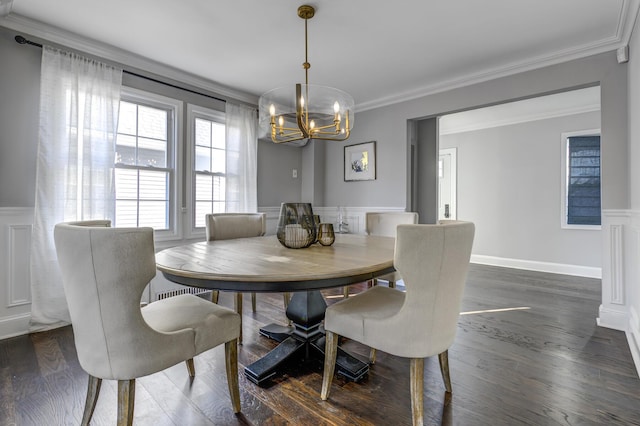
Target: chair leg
column 191, row 368
column 126, row 398
column 392, row 284
column 215, row 294
column 238, row 305
column 372, row 356
column 345, row 292
column 231, row 364
column 444, row 369
column 93, row 390
column 253, row 302
column 330, row 354
column 417, row 390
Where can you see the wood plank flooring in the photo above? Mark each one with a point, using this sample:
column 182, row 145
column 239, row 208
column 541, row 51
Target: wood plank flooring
column 528, row 352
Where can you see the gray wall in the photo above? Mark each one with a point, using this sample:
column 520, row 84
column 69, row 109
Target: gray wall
column 275, row 184
column 388, row 126
column 509, row 185
column 19, row 100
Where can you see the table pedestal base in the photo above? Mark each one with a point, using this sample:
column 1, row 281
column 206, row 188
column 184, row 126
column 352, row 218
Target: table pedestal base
column 304, row 339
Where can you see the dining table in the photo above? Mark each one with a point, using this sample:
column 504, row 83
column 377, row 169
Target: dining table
column 262, row 264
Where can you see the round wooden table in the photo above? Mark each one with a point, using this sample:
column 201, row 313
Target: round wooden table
column 262, row 264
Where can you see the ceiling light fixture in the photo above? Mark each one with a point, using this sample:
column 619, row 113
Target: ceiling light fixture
column 312, row 111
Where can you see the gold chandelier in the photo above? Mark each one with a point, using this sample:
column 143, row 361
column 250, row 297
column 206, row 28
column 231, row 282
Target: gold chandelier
column 312, row 111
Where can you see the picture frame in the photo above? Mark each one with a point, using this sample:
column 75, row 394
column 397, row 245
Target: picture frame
column 360, row 162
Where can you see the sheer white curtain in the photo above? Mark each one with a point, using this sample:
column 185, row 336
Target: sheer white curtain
column 242, row 158
column 79, row 101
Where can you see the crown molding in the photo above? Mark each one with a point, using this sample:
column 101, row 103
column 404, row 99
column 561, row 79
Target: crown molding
column 126, row 59
column 626, row 22
column 523, row 118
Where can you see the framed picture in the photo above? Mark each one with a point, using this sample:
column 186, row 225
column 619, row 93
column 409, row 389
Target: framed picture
column 360, row 161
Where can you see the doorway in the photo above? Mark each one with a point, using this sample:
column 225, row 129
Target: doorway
column 447, row 181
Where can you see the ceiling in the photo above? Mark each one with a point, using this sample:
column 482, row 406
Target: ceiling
column 380, row 52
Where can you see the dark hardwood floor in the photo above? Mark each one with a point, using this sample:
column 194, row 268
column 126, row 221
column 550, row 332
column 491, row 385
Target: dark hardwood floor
column 528, row 352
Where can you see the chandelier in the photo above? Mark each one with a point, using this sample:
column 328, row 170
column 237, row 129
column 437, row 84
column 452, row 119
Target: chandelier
column 309, row 111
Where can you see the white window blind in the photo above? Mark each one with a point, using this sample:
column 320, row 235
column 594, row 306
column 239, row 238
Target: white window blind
column 144, row 165
column 209, row 168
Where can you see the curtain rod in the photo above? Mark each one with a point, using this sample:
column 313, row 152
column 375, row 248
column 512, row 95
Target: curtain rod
column 21, row 40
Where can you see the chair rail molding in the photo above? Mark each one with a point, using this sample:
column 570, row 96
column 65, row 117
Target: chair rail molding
column 15, row 282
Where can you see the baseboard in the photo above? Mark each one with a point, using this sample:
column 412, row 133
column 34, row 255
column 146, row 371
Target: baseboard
column 609, row 318
column 16, row 325
column 532, row 265
column 633, row 338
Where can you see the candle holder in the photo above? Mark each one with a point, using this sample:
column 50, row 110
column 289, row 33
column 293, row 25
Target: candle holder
column 296, row 227
column 326, row 235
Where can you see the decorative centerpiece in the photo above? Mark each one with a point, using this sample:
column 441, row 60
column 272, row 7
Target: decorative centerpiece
column 296, row 225
column 326, row 235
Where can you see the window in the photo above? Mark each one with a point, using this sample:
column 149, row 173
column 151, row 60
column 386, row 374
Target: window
column 145, row 162
column 208, row 151
column 582, row 180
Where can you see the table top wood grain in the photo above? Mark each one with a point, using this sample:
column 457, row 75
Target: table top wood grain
column 262, row 264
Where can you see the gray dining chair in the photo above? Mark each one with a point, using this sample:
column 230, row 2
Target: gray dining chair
column 418, row 323
column 228, row 226
column 104, row 272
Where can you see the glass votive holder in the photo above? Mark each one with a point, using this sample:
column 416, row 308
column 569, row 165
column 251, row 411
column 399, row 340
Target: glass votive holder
column 326, row 236
column 316, row 224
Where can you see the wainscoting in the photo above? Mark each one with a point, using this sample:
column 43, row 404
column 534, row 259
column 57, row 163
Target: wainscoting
column 621, row 276
column 15, row 288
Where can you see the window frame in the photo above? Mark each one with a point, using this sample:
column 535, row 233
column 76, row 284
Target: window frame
column 565, row 178
column 194, row 112
column 174, row 154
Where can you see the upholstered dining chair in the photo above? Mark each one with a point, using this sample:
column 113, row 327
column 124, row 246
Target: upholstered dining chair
column 104, row 272
column 228, row 226
column 433, row 261
column 384, row 224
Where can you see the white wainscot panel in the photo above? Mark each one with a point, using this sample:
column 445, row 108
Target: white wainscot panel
column 15, row 283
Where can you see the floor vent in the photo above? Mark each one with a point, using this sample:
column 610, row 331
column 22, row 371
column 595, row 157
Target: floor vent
column 179, row 291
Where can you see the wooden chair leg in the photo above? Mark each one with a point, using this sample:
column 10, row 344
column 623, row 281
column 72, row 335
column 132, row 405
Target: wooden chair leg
column 253, row 302
column 93, row 390
column 444, row 369
column 231, row 364
column 330, row 354
column 238, row 306
column 215, row 295
column 372, row 356
column 126, row 399
column 191, row 368
column 417, row 390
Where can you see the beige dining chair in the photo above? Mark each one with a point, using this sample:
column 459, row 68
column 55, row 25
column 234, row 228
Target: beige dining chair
column 104, row 272
column 228, row 226
column 433, row 261
column 384, row 224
